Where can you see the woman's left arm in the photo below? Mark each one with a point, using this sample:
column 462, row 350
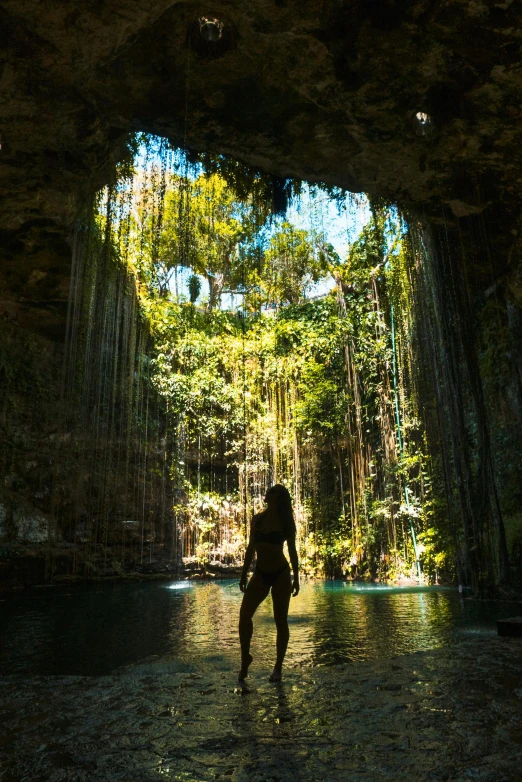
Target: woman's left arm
column 292, row 551
column 249, row 555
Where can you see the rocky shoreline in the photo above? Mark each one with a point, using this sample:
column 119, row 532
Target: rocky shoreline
column 29, row 572
column 443, row 714
column 17, row 579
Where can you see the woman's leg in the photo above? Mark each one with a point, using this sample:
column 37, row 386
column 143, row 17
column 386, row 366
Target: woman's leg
column 254, row 595
column 281, row 593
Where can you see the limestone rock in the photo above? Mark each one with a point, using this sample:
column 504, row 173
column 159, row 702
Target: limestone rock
column 322, row 91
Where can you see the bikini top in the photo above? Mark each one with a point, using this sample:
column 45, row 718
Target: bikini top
column 276, row 537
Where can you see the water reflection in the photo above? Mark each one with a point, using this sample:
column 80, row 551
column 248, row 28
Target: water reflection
column 184, row 626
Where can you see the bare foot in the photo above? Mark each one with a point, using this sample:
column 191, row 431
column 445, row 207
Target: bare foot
column 243, row 671
column 275, row 676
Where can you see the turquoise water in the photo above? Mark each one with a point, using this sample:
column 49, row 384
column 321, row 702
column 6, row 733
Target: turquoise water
column 192, row 626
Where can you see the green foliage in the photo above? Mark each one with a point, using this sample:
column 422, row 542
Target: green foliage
column 194, row 286
column 434, row 553
column 313, row 393
column 290, row 264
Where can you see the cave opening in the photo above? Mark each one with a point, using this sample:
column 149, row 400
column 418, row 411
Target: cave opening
column 219, row 343
column 228, row 329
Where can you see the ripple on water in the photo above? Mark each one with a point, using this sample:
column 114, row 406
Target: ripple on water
column 185, row 625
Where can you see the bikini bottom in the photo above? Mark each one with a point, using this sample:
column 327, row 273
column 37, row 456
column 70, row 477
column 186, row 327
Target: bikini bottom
column 269, row 579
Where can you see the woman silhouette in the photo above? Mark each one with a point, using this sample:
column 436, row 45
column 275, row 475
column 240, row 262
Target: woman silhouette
column 268, row 533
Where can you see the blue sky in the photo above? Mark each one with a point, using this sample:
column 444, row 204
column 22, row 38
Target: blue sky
column 314, row 211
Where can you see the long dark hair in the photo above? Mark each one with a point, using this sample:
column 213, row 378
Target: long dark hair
column 284, row 508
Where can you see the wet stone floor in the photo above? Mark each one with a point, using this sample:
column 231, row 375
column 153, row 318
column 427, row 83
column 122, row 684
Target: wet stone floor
column 450, row 713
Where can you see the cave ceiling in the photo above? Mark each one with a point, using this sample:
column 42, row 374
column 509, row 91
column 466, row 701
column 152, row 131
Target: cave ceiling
column 324, row 91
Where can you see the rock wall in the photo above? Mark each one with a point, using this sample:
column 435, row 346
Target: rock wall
column 468, row 373
column 85, row 488
column 30, row 368
column 317, row 90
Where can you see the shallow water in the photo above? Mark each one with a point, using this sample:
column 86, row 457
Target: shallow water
column 186, row 626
